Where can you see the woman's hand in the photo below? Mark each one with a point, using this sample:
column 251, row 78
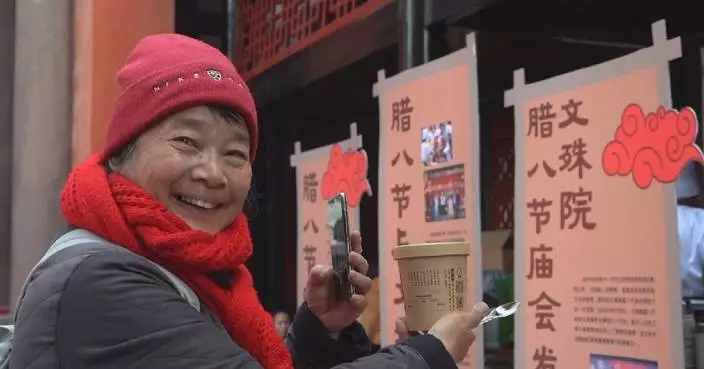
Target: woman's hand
column 454, row 330
column 320, row 298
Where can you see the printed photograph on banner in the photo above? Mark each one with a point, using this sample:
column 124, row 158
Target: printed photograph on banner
column 444, row 193
column 436, row 144
column 615, row 362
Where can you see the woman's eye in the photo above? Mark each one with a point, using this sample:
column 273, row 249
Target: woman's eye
column 186, row 140
column 237, row 154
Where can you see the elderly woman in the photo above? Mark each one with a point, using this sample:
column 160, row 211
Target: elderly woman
column 163, row 202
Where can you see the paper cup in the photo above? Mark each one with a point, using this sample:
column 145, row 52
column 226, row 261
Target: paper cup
column 433, row 280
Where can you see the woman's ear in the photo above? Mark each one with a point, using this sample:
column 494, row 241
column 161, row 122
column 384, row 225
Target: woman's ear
column 120, row 158
column 112, row 165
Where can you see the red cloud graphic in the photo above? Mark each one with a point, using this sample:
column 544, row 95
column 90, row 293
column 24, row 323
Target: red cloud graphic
column 347, row 172
column 656, row 146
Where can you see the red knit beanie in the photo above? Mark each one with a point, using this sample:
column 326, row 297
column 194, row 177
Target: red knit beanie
column 168, row 73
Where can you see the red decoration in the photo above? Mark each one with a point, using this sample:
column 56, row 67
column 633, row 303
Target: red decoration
column 347, row 173
column 653, row 146
column 626, row 365
column 271, row 31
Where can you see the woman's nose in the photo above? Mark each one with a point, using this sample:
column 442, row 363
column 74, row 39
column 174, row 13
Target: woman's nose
column 210, row 170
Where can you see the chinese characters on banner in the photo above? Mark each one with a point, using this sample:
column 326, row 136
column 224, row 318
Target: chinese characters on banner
column 596, row 256
column 428, row 172
column 313, row 238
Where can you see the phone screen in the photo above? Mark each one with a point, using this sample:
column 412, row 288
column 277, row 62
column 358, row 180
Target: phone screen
column 338, row 226
column 339, row 236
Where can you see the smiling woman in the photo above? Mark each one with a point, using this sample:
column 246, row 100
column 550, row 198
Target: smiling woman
column 154, row 274
column 204, row 173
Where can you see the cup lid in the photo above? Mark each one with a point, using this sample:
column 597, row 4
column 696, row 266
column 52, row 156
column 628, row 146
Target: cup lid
column 424, row 250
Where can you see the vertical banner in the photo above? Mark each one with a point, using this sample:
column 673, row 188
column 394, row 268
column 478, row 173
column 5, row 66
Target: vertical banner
column 596, row 246
column 321, row 173
column 429, row 172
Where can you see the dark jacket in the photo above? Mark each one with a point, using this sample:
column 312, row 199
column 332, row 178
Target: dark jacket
column 102, row 307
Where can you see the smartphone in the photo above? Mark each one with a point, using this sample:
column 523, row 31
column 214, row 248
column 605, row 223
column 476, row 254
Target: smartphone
column 339, row 227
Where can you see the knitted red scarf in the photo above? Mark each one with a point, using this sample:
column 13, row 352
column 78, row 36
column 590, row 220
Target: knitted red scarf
column 118, row 210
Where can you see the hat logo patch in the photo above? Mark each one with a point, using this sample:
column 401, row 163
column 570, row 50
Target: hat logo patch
column 215, row 75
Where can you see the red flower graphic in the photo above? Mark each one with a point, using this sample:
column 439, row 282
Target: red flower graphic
column 654, row 146
column 347, row 173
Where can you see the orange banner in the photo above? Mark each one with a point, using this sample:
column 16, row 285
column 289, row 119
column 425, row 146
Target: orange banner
column 596, row 251
column 428, row 172
column 102, row 42
column 312, row 171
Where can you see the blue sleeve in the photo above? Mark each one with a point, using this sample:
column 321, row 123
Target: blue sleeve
column 690, row 224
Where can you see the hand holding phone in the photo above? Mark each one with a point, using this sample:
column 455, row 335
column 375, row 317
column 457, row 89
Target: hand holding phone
column 338, row 225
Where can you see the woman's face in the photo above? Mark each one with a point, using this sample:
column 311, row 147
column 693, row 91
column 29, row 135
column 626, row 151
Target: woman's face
column 197, row 163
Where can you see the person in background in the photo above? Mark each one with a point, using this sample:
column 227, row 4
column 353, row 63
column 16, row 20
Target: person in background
column 451, row 205
column 281, row 323
column 426, row 150
column 690, row 229
column 164, row 200
column 446, row 132
column 439, row 147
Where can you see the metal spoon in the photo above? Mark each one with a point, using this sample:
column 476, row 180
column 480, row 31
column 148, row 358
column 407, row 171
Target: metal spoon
column 502, row 311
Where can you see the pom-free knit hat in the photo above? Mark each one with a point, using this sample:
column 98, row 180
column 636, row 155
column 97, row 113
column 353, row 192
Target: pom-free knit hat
column 167, row 73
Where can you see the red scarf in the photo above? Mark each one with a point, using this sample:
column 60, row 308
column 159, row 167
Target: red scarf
column 118, row 210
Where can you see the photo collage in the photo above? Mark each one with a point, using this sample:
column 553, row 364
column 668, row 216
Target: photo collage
column 444, row 180
column 614, row 362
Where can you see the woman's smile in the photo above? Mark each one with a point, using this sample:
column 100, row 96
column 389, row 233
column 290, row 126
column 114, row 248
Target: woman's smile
column 198, row 203
column 196, row 211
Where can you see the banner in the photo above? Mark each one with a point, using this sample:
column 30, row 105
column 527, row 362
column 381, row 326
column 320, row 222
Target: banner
column 322, row 173
column 429, row 172
column 597, row 255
